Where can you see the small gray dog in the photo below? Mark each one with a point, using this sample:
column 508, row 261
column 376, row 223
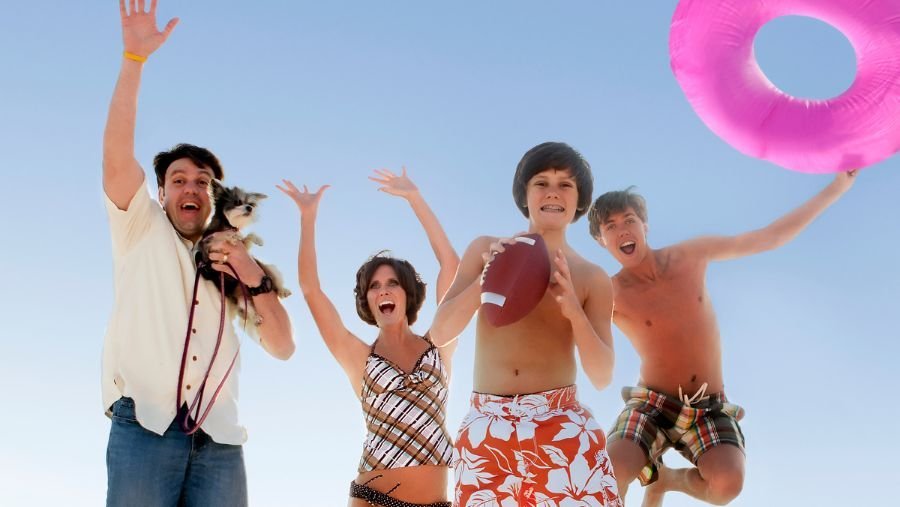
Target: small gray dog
column 234, row 210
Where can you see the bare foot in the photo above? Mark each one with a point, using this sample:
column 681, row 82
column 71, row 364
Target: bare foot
column 653, row 494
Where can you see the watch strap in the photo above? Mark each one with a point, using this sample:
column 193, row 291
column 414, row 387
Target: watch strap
column 265, row 285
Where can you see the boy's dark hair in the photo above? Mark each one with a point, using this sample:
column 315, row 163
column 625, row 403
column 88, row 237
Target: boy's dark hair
column 616, row 201
column 199, row 156
column 554, row 155
column 410, row 282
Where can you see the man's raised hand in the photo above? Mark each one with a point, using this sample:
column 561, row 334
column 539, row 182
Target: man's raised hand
column 139, row 32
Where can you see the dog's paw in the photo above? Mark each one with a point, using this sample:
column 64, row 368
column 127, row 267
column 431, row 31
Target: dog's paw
column 283, row 293
column 252, row 239
column 233, row 237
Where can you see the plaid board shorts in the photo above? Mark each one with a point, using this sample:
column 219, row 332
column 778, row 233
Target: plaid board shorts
column 657, row 422
column 532, row 450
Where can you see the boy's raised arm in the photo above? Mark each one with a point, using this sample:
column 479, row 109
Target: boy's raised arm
column 779, row 232
column 463, row 297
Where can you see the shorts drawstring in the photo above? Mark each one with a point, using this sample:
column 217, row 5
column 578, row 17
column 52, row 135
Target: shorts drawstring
column 699, row 397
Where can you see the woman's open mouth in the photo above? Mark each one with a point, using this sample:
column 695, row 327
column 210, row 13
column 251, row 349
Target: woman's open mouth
column 387, row 307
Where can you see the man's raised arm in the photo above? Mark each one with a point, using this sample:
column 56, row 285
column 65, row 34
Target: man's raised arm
column 122, row 175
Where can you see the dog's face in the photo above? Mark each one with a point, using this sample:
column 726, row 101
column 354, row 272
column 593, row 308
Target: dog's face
column 237, row 206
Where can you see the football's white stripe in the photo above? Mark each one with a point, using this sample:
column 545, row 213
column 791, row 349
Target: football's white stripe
column 523, row 239
column 493, row 298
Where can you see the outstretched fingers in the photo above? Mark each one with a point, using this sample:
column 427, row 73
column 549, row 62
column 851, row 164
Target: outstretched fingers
column 169, row 27
column 383, row 177
column 385, row 173
column 301, row 195
column 289, row 188
column 380, row 181
column 139, row 29
column 392, row 183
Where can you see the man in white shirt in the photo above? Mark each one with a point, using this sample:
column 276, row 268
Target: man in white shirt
column 151, row 460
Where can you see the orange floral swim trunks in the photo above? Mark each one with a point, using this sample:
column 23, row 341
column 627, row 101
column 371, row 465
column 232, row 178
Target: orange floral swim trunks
column 535, row 450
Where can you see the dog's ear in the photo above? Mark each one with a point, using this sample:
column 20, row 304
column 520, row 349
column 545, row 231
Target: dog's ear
column 217, row 188
column 257, row 196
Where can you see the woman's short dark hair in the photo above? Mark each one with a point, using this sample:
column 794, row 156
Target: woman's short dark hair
column 410, row 281
column 201, row 157
column 554, row 155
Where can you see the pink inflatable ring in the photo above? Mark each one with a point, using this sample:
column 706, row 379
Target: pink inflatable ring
column 711, row 46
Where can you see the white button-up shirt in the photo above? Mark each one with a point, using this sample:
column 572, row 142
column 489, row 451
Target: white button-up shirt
column 154, row 281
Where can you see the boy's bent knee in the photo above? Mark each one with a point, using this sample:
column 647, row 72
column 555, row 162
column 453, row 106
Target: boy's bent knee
column 722, row 468
column 628, row 458
column 725, row 486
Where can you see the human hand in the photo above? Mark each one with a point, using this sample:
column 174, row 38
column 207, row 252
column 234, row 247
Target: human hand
column 844, row 180
column 306, row 201
column 139, row 32
column 229, row 255
column 497, row 246
column 563, row 289
column 400, row 186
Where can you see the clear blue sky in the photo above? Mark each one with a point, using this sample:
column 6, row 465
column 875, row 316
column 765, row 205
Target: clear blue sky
column 325, row 92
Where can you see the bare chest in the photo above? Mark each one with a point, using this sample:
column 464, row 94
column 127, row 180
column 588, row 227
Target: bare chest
column 543, row 329
column 675, row 298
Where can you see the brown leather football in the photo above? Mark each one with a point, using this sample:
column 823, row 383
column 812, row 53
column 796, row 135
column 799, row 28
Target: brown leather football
column 515, row 280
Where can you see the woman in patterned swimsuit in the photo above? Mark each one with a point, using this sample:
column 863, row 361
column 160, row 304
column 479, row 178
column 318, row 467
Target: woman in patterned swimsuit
column 401, row 379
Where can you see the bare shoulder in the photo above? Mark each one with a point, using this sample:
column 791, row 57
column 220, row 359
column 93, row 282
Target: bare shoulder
column 576, row 261
column 476, row 247
column 695, row 249
column 593, row 277
column 483, row 241
column 685, row 257
column 472, row 261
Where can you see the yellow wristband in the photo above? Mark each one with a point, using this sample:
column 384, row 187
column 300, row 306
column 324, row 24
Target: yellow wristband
column 137, row 58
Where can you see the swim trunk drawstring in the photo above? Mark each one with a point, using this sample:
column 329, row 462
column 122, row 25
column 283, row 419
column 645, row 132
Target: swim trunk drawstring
column 698, row 397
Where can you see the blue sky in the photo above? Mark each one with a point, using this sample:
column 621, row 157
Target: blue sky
column 324, row 93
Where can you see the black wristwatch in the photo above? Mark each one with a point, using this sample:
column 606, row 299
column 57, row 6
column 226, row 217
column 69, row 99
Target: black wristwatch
column 265, row 285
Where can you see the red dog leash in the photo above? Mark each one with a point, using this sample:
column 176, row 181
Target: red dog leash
column 198, row 418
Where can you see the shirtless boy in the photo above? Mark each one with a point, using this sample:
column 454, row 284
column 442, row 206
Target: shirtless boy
column 662, row 306
column 526, row 440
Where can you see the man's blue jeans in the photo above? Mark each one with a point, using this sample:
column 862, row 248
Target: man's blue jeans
column 148, row 470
